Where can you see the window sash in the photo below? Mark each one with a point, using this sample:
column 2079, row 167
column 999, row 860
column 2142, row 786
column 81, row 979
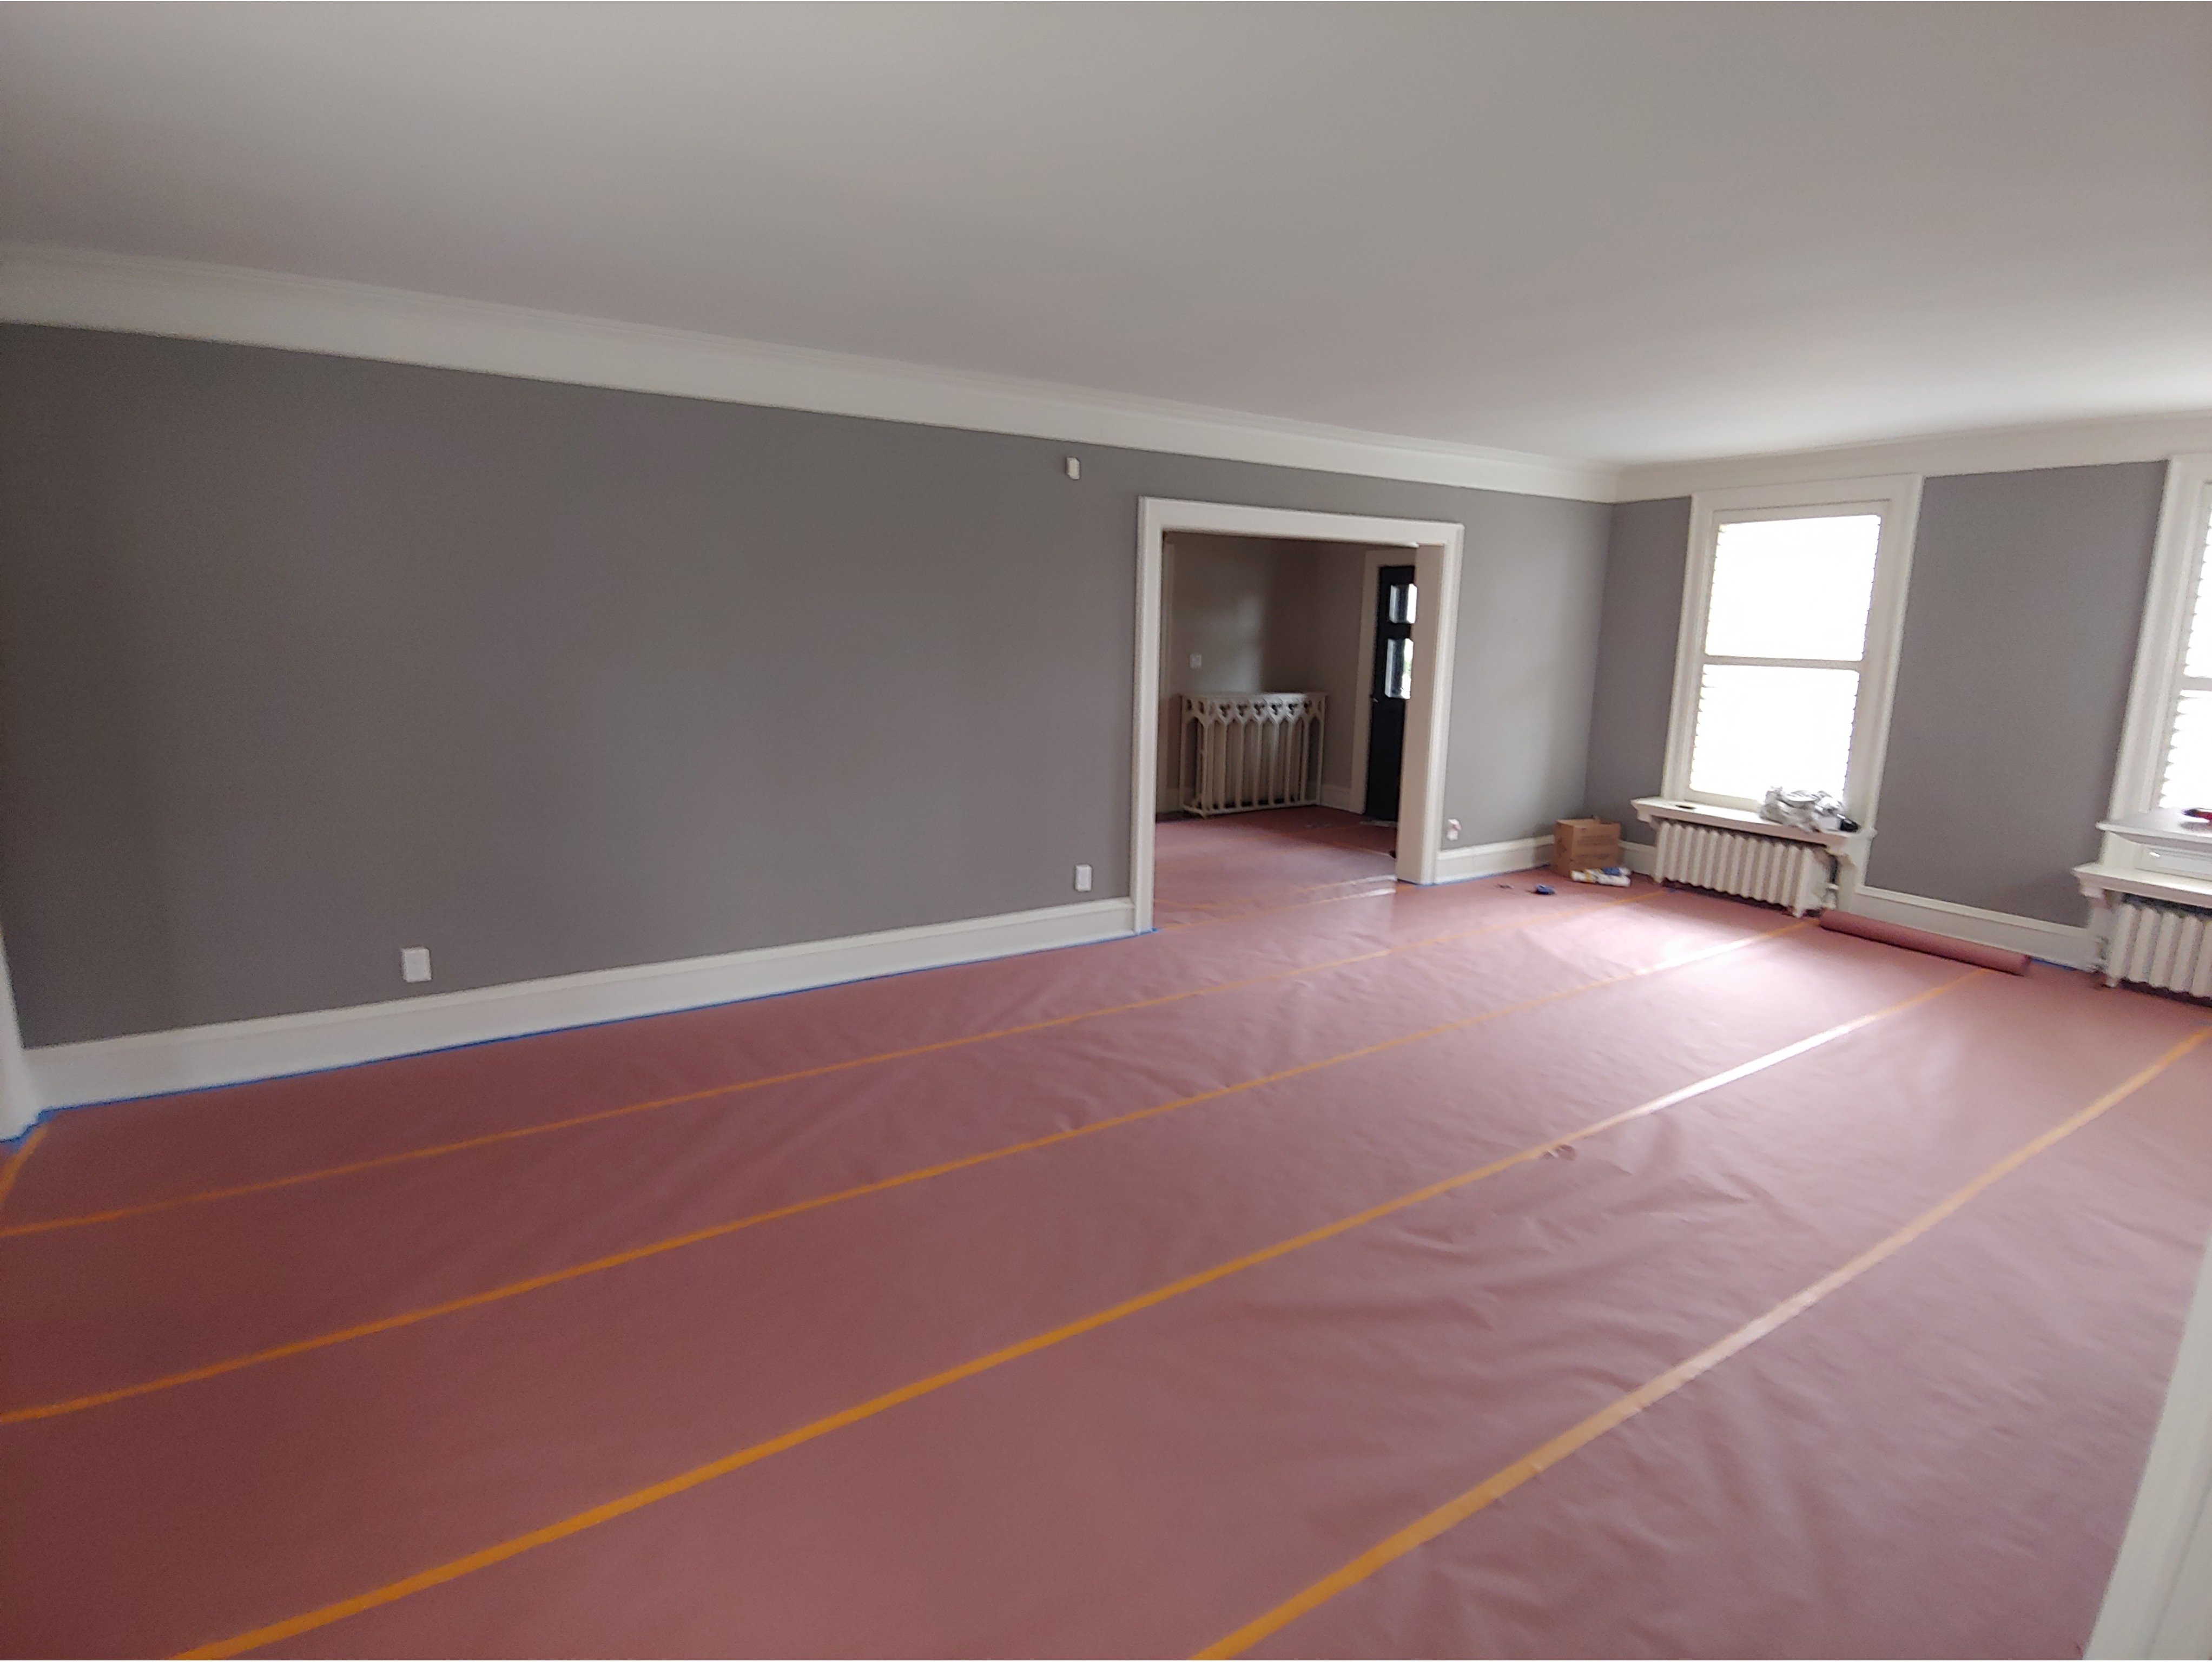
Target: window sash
column 1895, row 501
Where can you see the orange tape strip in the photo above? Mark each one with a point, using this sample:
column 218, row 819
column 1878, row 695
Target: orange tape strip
column 601, row 1116
column 1622, row 1408
column 716, row 1232
column 13, row 1167
column 637, row 1500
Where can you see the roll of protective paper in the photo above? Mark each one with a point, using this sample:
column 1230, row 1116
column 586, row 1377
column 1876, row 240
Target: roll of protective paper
column 1920, row 940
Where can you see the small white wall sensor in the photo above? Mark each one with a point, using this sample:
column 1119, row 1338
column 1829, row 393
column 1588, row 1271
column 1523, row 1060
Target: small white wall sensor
column 1451, row 831
column 414, row 963
column 1083, row 880
column 1074, row 468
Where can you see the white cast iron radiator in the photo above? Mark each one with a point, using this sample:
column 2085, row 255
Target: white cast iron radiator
column 2158, row 944
column 1251, row 750
column 1780, row 870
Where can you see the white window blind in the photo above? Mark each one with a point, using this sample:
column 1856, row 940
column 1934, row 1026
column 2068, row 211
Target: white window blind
column 2186, row 779
column 1783, row 653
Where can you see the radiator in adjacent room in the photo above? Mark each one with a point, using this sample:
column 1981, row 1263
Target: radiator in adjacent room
column 1251, row 750
column 1779, row 870
column 2156, row 943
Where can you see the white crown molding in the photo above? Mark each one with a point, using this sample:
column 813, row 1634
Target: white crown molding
column 1995, row 450
column 73, row 289
column 231, row 1052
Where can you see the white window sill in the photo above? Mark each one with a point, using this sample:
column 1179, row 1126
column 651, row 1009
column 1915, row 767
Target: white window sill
column 1849, row 844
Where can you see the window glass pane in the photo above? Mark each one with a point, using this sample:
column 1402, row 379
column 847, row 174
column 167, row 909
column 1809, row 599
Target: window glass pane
column 2196, row 661
column 1397, row 603
column 1413, row 602
column 2189, row 765
column 1760, row 727
column 1405, row 672
column 1793, row 589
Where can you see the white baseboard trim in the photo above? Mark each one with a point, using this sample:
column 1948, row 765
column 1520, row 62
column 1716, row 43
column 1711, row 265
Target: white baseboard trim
column 233, row 1052
column 1343, row 797
column 2069, row 945
column 1489, row 859
column 1642, row 858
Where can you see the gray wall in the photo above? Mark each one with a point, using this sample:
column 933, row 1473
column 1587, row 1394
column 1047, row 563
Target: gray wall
column 2019, row 640
column 2019, row 636
column 304, row 659
column 1645, row 557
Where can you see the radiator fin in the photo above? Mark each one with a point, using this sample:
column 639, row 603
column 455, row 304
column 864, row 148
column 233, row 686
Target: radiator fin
column 1782, row 871
column 2157, row 943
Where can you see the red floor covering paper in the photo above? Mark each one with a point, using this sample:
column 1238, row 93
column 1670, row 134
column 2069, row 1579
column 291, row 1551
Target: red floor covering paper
column 1123, row 1340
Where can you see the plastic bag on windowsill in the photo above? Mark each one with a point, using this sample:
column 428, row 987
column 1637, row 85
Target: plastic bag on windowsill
column 1808, row 810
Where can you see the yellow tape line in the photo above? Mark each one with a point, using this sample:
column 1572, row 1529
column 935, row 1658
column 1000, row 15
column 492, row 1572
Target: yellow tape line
column 716, row 1232
column 1621, row 1409
column 12, row 1168
column 608, row 1511
column 603, row 1114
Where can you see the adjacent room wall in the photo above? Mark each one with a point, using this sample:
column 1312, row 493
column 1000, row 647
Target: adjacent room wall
column 1264, row 615
column 304, row 659
column 2019, row 640
column 2026, row 599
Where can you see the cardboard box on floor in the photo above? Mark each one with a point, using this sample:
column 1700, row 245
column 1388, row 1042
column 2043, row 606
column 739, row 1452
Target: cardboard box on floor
column 1579, row 844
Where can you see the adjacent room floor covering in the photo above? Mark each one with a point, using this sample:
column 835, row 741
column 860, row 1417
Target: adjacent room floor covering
column 1342, row 1268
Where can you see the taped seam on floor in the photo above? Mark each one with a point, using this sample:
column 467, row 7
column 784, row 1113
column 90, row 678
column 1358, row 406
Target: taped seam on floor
column 943, row 1168
column 607, row 1512
column 492, row 1139
column 1625, row 1407
column 1277, row 894
column 14, row 1163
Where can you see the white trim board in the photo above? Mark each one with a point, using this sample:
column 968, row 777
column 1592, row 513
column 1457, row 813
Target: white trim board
column 233, row 1052
column 1492, row 859
column 76, row 288
column 1993, row 450
column 2069, row 945
column 1436, row 547
column 2159, row 1602
column 2155, row 684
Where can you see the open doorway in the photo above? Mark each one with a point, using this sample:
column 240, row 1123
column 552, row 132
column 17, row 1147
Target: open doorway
column 1275, row 622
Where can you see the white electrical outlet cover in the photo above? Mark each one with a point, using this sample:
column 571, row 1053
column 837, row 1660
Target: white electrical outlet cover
column 1083, row 880
column 414, row 963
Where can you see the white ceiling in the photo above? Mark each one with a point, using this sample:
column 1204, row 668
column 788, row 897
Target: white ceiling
column 1627, row 234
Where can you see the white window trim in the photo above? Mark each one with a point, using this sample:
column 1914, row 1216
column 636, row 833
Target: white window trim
column 2156, row 685
column 1896, row 497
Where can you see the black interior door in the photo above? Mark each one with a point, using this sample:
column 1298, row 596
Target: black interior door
column 1390, row 684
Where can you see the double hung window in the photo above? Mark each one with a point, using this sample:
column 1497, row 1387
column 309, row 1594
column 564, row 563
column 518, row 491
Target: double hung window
column 1790, row 623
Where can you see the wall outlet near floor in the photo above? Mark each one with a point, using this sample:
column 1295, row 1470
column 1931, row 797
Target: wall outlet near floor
column 414, row 963
column 1083, row 880
column 1197, row 661
column 1451, row 831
